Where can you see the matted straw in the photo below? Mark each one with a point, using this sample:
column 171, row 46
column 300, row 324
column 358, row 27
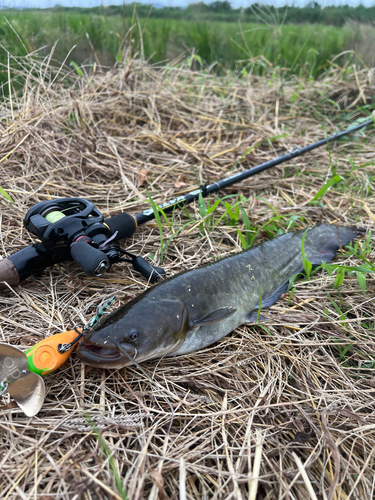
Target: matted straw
column 283, row 410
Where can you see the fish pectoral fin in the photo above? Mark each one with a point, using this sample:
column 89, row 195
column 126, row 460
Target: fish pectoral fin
column 214, row 317
column 267, row 302
column 252, row 317
column 274, row 296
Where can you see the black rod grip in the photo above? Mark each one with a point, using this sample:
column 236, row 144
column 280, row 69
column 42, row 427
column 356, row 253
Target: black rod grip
column 124, row 223
column 32, row 260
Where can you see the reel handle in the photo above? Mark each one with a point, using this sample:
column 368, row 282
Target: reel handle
column 92, row 261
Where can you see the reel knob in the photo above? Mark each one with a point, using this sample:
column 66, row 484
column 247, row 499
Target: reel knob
column 92, row 261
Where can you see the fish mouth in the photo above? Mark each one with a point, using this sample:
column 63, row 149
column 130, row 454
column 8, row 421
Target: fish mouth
column 106, row 357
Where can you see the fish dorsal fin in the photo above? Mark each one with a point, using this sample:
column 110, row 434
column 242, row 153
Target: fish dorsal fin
column 215, row 316
column 267, row 302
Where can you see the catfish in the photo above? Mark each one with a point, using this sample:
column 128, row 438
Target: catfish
column 196, row 308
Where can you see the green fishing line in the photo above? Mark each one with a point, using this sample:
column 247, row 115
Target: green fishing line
column 54, row 216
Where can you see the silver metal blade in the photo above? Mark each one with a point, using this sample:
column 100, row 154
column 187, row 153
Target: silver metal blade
column 13, row 362
column 25, row 387
column 28, row 392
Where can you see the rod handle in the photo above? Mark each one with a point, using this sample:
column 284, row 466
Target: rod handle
column 8, row 273
column 124, row 223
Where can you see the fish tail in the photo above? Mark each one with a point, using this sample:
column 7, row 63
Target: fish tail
column 322, row 242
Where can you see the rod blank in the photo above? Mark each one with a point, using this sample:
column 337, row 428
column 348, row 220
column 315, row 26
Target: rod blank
column 181, row 201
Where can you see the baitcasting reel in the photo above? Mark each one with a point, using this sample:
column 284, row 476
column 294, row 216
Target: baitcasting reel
column 73, row 229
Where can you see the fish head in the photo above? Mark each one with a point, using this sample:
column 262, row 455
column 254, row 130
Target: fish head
column 136, row 331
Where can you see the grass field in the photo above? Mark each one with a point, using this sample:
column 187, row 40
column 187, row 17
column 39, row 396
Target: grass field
column 302, row 49
column 273, row 411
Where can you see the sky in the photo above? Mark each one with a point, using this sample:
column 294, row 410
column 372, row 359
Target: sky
column 173, row 3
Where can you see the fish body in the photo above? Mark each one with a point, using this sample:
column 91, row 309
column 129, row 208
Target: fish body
column 196, row 308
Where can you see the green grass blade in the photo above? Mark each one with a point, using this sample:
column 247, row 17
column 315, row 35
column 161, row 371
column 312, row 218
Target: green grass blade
column 77, row 68
column 330, row 268
column 344, row 351
column 306, row 263
column 227, row 213
column 245, row 219
column 213, row 208
column 307, row 267
column 111, row 461
column 338, row 310
column 202, row 206
column 178, row 231
column 165, row 216
column 362, row 281
column 333, row 168
column 5, row 194
column 245, row 245
column 236, row 213
column 230, row 211
column 322, row 191
column 339, row 279
column 247, row 224
column 260, row 304
column 326, row 267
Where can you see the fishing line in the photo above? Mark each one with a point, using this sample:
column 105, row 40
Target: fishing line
column 100, row 311
column 54, row 216
column 119, row 346
column 80, row 333
column 55, row 213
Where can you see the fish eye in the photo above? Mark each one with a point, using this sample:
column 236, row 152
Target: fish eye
column 133, row 335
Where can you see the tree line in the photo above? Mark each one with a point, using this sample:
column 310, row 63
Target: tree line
column 255, row 13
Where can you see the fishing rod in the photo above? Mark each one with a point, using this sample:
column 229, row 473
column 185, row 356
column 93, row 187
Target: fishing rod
column 73, row 229
column 168, row 206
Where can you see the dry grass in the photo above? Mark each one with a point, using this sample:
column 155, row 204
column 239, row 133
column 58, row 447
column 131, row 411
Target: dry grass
column 274, row 414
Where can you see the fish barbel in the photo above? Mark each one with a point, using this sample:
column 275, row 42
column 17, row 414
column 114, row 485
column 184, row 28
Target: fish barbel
column 194, row 309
